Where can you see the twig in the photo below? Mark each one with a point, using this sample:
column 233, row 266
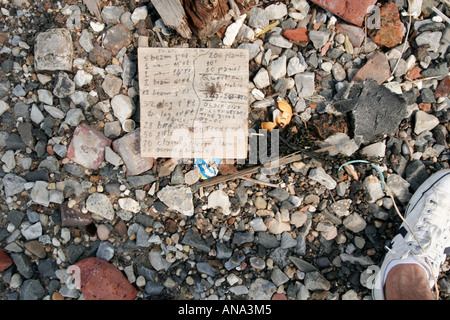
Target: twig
column 261, row 182
column 266, row 29
column 413, row 81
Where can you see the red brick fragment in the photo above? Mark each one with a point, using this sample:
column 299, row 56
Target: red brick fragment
column 297, row 35
column 5, row 261
column 353, row 11
column 376, row 68
column 100, row 280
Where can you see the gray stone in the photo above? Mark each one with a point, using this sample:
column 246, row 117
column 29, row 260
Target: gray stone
column 111, row 14
column 305, row 84
column 112, row 85
column 64, row 86
column 45, row 96
column 252, row 48
column 123, row 107
column 18, row 91
column 295, row 66
column 415, row 174
column 279, row 193
column 192, row 238
column 355, row 223
column 276, row 11
column 315, row 281
column 424, row 122
column 100, row 204
column 319, row 175
column 13, row 184
column 280, row 41
column 430, row 39
column 243, row 237
column 53, row 50
column 278, row 277
column 31, row 290
column 33, row 231
column 261, row 79
column 318, row 38
column 261, row 289
column 341, row 207
column 74, row 117
column 287, row 241
column 157, row 261
column 362, row 260
column 258, row 18
column 85, row 40
column 105, row 251
column 399, row 187
column 206, row 268
column 277, row 68
column 23, row 264
column 178, row 199
column 40, row 194
column 373, row 114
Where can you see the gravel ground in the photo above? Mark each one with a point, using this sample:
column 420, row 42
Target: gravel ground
column 304, row 230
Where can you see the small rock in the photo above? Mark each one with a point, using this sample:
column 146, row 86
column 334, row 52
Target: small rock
column 261, row 289
column 53, row 50
column 87, row 147
column 377, row 68
column 351, row 11
column 129, row 204
column 261, row 79
column 373, row 188
column 178, row 199
column 276, row 11
column 64, row 86
column 127, row 147
column 258, row 18
column 355, row 223
column 277, row 68
column 319, row 175
column 424, row 122
column 100, row 56
column 117, row 37
column 112, row 85
column 305, row 84
column 140, row 13
column 31, row 290
column 105, row 251
column 82, row 78
column 123, row 107
column 315, row 281
column 219, row 198
column 100, row 204
column 318, row 38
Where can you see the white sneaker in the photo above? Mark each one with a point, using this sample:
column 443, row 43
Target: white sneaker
column 428, row 215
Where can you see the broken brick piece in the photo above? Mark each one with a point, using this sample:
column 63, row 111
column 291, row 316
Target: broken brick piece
column 376, row 68
column 5, row 261
column 297, row 35
column 391, row 33
column 87, row 147
column 349, row 10
column 443, row 89
column 100, row 280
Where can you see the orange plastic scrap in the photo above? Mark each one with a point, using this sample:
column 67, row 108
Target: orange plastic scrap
column 281, row 117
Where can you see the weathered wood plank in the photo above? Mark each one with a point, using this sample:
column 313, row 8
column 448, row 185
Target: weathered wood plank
column 173, row 15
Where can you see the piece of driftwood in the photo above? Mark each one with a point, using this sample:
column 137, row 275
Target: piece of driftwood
column 206, row 17
column 296, row 156
column 173, row 15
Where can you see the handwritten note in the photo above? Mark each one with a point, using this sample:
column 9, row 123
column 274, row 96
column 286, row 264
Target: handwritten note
column 193, row 102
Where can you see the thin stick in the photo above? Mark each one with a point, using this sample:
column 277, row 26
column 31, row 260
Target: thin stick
column 412, row 82
column 261, row 182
